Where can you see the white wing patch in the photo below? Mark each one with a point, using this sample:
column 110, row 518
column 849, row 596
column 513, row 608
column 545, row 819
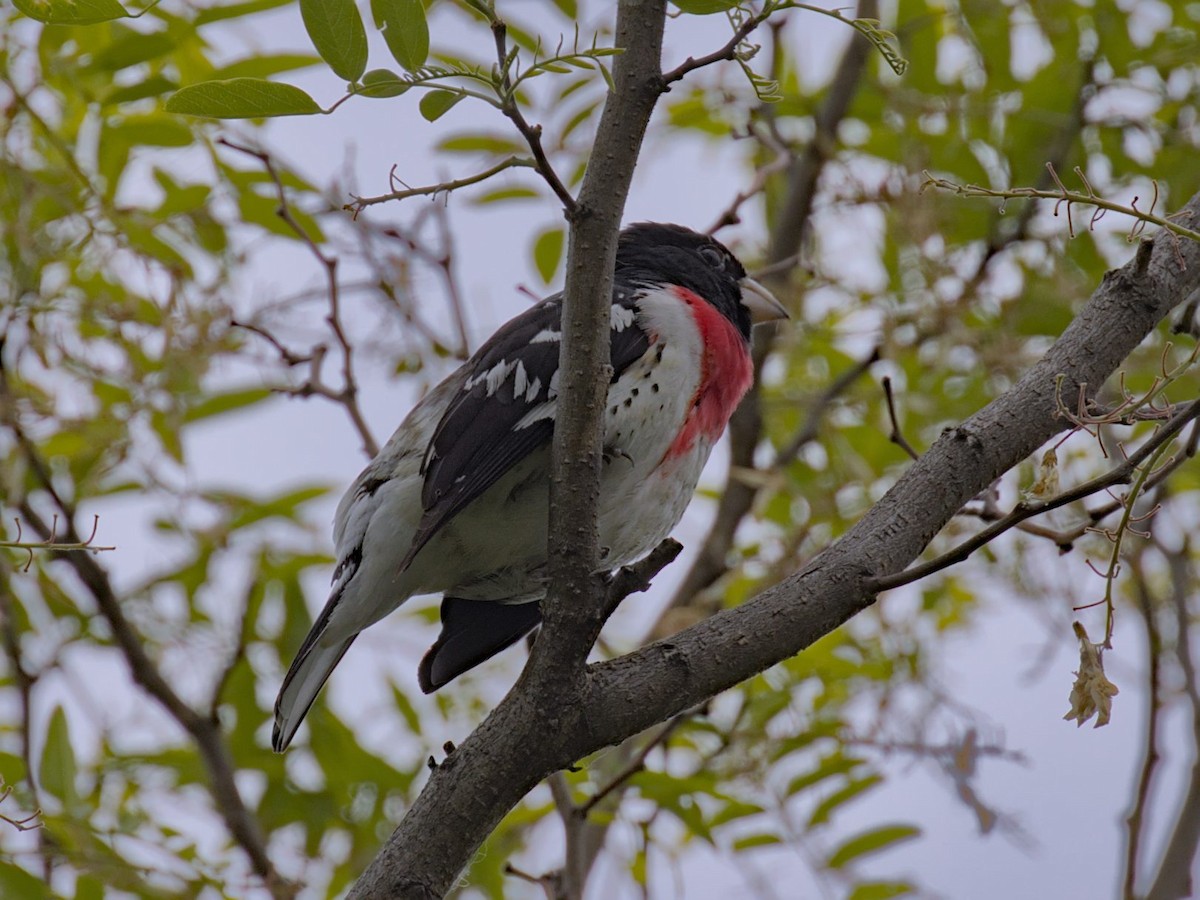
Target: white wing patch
column 494, row 377
column 537, row 414
column 520, row 379
column 546, row 336
column 620, row 318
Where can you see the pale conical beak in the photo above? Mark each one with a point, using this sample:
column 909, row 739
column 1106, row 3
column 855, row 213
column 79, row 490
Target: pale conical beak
column 762, row 303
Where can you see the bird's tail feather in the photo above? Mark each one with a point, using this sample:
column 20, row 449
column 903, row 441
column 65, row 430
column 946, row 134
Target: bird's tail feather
column 304, row 680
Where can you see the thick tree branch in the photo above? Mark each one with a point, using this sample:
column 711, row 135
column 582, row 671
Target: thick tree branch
column 533, row 733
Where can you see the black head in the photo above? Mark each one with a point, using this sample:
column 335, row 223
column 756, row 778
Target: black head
column 650, row 254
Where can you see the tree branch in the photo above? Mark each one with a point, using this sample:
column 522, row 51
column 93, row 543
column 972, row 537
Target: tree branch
column 358, row 204
column 1118, row 475
column 1174, row 878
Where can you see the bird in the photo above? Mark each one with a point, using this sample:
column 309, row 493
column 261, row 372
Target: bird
column 457, row 500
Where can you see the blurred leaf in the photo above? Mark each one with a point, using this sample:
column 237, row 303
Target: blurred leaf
column 705, row 7
column 236, row 10
column 508, row 193
column 481, row 143
column 825, row 809
column 750, row 841
column 242, row 98
column 548, row 252
column 57, row 772
column 871, row 841
column 17, row 884
column 264, row 66
column 411, row 718
column 230, row 401
column 337, row 31
column 134, row 47
column 71, row 12
column 880, row 890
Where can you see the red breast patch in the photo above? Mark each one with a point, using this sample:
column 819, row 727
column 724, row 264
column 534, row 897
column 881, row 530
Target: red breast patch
column 726, row 372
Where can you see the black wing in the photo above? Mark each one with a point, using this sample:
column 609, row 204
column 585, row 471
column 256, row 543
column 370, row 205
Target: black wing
column 507, row 406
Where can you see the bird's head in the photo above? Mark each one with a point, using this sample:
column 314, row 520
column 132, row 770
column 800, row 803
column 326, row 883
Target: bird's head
column 654, row 254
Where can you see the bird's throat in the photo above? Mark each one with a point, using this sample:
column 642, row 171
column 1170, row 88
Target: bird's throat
column 726, row 373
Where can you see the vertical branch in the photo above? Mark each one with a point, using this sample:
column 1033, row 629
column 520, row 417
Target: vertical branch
column 573, row 611
column 1135, row 820
column 24, row 681
column 1174, row 878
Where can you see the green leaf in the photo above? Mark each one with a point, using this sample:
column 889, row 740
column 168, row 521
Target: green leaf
column 57, row 771
column 242, row 98
column 411, row 718
column 230, row 401
column 548, row 251
column 480, row 143
column 825, row 809
column 836, row 764
column 872, row 841
column 705, row 7
column 755, row 840
column 132, row 48
column 264, row 66
column 382, row 83
column 436, row 104
column 150, row 87
column 404, row 29
column 237, row 10
column 880, row 890
column 72, row 12
column 508, row 193
column 337, row 31
column 17, row 883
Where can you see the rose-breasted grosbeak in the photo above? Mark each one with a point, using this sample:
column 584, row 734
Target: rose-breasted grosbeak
column 457, row 501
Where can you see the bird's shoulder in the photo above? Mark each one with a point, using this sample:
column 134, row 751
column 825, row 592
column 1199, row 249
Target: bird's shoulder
column 507, row 402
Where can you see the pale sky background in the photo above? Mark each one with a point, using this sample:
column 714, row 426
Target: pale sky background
column 1071, row 797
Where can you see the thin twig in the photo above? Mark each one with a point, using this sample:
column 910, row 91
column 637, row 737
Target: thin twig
column 348, row 395
column 635, row 765
column 531, row 133
column 897, row 436
column 1118, row 475
column 820, row 405
column 725, row 53
column 358, row 204
column 1064, row 196
column 778, row 164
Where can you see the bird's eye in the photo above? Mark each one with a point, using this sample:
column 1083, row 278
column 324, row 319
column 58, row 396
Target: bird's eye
column 713, row 257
